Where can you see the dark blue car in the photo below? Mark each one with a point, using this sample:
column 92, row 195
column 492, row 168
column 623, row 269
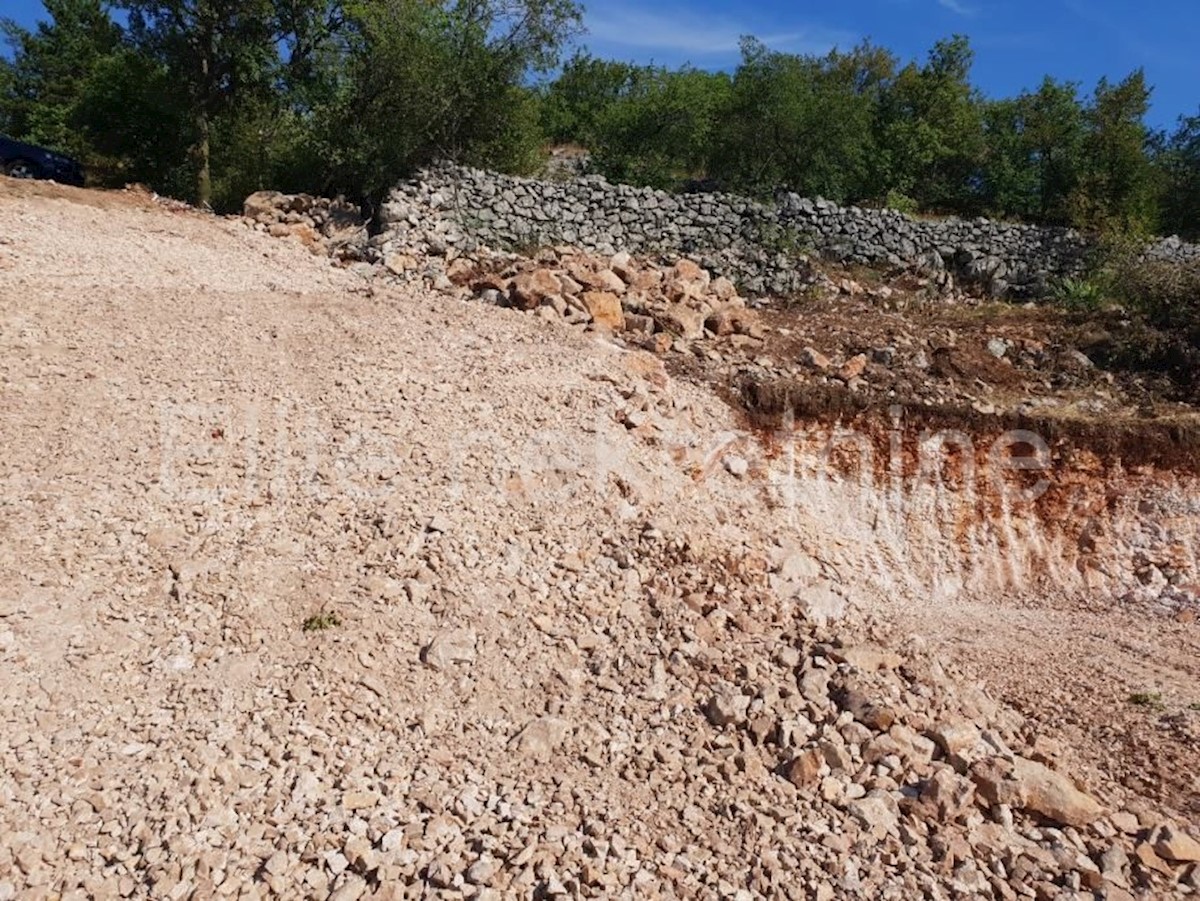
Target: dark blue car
column 20, row 160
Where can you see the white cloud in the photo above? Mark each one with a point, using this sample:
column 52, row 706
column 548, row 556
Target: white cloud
column 688, row 32
column 957, row 6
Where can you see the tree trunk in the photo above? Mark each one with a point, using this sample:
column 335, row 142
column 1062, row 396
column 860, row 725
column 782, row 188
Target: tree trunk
column 203, row 167
column 204, row 96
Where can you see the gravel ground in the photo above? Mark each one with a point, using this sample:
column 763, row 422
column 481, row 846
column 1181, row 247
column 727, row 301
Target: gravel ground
column 314, row 587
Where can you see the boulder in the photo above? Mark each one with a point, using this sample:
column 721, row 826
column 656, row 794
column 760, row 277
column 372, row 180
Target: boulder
column 853, row 368
column 263, row 206
column 1173, row 844
column 803, row 770
column 540, row 738
column 723, row 289
column 682, row 321
column 605, row 309
column 1053, row 795
column 955, row 737
column 1034, row 787
column 622, row 264
column 529, row 289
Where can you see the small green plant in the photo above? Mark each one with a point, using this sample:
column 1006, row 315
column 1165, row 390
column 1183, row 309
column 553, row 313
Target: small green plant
column 784, row 239
column 320, row 622
column 1078, row 293
column 1149, row 699
column 901, row 203
column 1194, row 707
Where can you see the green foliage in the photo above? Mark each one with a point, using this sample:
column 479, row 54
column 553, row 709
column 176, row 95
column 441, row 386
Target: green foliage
column 321, row 622
column 576, row 101
column 51, row 64
column 1116, row 189
column 1168, row 293
column 659, row 130
column 1165, row 294
column 931, row 134
column 1079, row 294
column 424, row 81
column 1150, row 699
column 801, row 122
column 212, row 99
column 902, row 203
column 1179, row 168
column 219, row 53
column 132, row 119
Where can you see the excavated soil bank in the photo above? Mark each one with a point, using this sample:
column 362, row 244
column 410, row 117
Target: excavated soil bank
column 1166, row 443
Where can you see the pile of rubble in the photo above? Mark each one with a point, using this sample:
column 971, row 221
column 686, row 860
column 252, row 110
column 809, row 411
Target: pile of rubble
column 618, row 294
column 326, row 226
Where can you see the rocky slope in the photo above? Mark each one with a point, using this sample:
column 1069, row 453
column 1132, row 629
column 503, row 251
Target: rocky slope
column 325, row 586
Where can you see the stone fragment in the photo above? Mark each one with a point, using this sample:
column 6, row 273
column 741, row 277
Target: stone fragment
column 956, row 737
column 605, row 308
column 359, row 800
column 262, row 206
column 1173, row 844
column 804, row 769
column 853, row 368
column 736, row 466
column 1054, row 795
column 815, row 359
column 540, row 738
column 607, row 280
column 869, row 658
column 622, row 264
column 867, row 711
column 949, row 794
column 683, row 321
column 876, row 813
column 528, row 289
column 449, row 647
column 727, row 707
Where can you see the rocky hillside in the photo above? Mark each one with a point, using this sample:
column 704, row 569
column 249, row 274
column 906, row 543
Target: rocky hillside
column 322, row 582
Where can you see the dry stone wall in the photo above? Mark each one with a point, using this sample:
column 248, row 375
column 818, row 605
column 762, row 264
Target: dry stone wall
column 758, row 245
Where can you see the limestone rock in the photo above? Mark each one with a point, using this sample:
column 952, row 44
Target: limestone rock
column 529, row 289
column 449, row 647
column 540, row 738
column 605, row 308
column 1173, row 844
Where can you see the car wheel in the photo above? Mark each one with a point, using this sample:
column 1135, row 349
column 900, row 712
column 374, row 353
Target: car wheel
column 19, row 169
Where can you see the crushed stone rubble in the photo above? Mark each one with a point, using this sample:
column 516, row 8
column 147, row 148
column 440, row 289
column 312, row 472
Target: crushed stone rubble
column 318, row 589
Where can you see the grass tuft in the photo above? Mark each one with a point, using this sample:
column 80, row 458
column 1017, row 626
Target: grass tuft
column 320, row 622
column 1150, row 699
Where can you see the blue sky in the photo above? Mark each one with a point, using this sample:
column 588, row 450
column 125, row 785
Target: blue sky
column 1016, row 41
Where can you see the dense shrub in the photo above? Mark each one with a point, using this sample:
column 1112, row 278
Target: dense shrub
column 1167, row 293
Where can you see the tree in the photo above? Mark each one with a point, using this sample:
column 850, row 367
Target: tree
column 50, row 67
column 421, row 81
column 660, row 131
column 802, row 122
column 1179, row 163
column 574, row 103
column 133, row 117
column 931, row 134
column 219, row 51
column 1034, row 145
column 1116, row 187
column 1054, row 132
